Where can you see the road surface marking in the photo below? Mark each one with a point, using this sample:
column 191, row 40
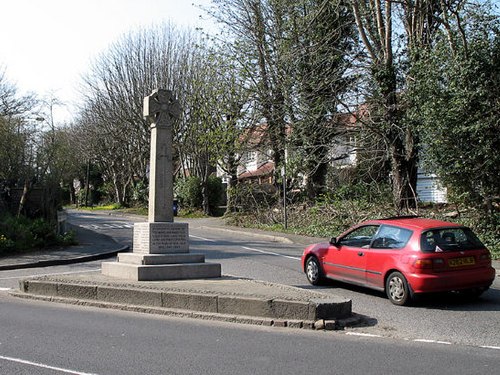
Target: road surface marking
column 270, row 253
column 362, row 334
column 108, row 226
column 433, row 341
column 202, row 238
column 3, row 289
column 490, row 347
column 114, row 226
column 41, row 365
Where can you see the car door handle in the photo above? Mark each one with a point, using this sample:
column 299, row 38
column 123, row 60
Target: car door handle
column 361, row 254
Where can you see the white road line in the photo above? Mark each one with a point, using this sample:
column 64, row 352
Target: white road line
column 270, row 253
column 362, row 334
column 420, row 340
column 48, row 274
column 433, row 341
column 4, row 289
column 41, row 365
column 202, row 238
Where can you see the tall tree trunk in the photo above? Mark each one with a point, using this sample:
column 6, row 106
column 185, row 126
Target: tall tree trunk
column 24, row 197
column 401, row 145
column 232, row 168
column 272, row 100
column 374, row 21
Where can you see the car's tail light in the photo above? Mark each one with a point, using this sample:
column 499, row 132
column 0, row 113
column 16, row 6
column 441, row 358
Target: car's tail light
column 429, row 263
column 485, row 256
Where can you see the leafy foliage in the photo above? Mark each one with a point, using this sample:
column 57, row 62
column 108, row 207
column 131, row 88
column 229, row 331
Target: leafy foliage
column 189, row 192
column 331, row 215
column 456, row 100
column 23, row 234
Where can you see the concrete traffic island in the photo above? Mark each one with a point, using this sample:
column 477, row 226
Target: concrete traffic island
column 223, row 299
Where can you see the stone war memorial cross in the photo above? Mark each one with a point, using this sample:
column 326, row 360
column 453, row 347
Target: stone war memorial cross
column 160, row 246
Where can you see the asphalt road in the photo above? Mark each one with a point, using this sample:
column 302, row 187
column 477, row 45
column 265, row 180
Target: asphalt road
column 444, row 317
column 46, row 338
column 445, row 333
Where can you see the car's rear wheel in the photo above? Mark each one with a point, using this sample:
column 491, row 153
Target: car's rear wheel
column 397, row 289
column 314, row 272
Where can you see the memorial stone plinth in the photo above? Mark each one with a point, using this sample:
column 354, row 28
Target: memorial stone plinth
column 160, row 246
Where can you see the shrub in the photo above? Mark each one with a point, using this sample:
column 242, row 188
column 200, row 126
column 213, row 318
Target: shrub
column 188, row 191
column 215, row 192
column 21, row 234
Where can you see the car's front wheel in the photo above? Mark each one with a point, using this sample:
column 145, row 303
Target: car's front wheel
column 314, row 272
column 397, row 289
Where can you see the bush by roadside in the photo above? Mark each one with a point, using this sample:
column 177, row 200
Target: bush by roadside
column 328, row 218
column 19, row 234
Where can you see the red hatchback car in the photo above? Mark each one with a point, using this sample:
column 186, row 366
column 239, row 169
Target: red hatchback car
column 403, row 256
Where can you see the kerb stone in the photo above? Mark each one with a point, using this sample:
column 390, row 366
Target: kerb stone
column 77, row 291
column 329, row 309
column 39, row 287
column 245, row 306
column 290, row 309
column 190, row 301
column 130, row 296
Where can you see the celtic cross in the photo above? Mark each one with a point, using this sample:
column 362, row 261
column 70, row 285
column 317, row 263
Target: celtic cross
column 161, row 107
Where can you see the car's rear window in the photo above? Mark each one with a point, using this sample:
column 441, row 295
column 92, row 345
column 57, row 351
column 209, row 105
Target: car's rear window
column 449, row 239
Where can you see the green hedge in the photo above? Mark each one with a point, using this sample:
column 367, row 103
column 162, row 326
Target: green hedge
column 19, row 234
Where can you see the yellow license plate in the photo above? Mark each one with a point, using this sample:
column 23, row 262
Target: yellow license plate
column 457, row 262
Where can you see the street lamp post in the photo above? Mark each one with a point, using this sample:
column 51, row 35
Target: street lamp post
column 283, row 177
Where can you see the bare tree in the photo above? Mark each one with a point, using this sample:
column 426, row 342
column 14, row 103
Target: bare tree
column 114, row 89
column 254, row 33
column 375, row 21
column 217, row 110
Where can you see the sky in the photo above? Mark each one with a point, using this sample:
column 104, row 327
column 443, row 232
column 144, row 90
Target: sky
column 46, row 45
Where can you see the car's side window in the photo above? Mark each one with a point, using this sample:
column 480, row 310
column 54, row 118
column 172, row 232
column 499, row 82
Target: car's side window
column 389, row 237
column 359, row 237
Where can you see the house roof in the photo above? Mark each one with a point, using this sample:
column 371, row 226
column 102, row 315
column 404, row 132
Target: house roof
column 265, row 169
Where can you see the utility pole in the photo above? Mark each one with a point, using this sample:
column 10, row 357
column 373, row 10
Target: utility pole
column 283, row 177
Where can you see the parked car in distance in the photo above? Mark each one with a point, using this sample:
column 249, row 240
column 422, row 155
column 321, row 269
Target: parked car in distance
column 403, row 256
column 175, row 207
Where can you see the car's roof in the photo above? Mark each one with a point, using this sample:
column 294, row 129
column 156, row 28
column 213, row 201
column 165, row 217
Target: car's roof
column 414, row 222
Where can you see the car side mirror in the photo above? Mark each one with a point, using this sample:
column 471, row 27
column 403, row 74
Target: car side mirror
column 334, row 241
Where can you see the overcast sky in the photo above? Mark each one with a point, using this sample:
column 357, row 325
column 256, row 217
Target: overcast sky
column 45, row 45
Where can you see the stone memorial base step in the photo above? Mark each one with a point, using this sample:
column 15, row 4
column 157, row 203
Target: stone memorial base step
column 161, row 252
column 150, row 259
column 156, row 272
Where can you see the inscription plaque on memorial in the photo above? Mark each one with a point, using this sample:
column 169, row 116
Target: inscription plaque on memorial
column 157, row 238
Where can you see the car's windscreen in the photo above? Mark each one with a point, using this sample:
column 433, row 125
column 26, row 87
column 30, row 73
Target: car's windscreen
column 449, row 239
column 359, row 237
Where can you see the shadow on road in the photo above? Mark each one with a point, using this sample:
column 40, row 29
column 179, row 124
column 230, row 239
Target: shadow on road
column 489, row 301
